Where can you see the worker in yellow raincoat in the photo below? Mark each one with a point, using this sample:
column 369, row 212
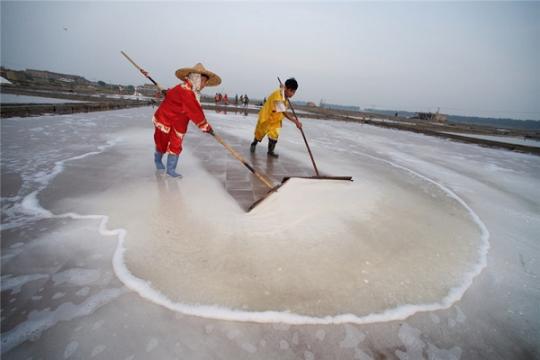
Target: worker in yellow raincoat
column 272, row 114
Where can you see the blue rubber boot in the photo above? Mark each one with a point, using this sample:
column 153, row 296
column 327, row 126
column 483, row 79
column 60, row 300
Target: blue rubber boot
column 157, row 160
column 172, row 160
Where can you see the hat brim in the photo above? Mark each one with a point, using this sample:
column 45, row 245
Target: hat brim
column 213, row 79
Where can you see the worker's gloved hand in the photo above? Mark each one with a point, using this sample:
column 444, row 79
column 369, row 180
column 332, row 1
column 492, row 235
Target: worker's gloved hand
column 298, row 124
column 207, row 129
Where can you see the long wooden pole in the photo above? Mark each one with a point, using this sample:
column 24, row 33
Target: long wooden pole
column 145, row 73
column 303, row 135
column 243, row 161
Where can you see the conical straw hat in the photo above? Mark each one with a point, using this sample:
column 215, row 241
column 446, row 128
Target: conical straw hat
column 213, row 79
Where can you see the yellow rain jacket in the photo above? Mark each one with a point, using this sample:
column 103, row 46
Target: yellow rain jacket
column 271, row 116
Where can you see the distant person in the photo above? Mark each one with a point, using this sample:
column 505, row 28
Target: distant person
column 271, row 115
column 236, row 100
column 225, row 99
column 181, row 104
column 246, row 100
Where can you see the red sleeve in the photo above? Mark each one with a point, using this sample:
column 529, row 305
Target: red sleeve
column 194, row 110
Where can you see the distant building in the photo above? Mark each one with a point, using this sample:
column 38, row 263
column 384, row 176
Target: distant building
column 42, row 79
column 37, row 74
column 13, row 75
column 48, row 75
column 147, row 89
column 432, row 117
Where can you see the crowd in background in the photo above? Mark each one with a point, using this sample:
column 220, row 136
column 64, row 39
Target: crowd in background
column 238, row 100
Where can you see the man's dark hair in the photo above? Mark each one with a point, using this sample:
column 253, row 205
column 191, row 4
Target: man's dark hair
column 291, row 84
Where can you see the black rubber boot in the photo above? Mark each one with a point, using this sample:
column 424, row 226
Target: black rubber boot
column 271, row 148
column 253, row 145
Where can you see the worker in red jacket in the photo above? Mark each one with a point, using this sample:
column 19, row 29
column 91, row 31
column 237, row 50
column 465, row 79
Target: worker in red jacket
column 181, row 104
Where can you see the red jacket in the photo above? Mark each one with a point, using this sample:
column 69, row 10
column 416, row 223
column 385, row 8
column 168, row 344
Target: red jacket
column 179, row 106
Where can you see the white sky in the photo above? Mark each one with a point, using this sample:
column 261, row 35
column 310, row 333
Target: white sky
column 472, row 58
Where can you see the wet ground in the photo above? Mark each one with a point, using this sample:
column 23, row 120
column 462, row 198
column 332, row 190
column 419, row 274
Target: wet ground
column 63, row 295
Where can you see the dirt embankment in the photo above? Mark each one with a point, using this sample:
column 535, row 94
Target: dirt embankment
column 88, row 102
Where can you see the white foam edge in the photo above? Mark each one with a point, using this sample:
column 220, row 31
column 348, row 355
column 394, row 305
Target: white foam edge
column 59, row 165
column 145, row 290
column 30, row 204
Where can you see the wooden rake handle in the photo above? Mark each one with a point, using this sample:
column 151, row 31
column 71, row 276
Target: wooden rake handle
column 243, row 161
column 144, row 72
column 303, row 135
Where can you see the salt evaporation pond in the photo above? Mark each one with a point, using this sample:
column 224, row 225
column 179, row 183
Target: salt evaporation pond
column 97, row 248
column 389, row 244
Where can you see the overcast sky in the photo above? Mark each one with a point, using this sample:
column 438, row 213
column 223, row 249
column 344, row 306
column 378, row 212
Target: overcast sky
column 472, row 58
